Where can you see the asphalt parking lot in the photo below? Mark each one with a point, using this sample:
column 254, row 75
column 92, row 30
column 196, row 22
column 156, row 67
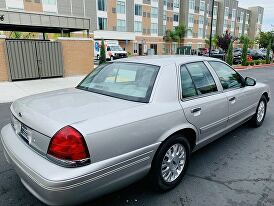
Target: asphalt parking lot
column 237, row 169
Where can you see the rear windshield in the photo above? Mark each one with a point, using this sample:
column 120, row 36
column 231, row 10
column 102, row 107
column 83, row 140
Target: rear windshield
column 129, row 81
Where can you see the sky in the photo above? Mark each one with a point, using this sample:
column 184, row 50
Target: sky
column 268, row 22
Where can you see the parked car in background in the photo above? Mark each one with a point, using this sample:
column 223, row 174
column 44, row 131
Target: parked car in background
column 202, row 51
column 256, row 54
column 127, row 119
column 237, row 54
column 113, row 50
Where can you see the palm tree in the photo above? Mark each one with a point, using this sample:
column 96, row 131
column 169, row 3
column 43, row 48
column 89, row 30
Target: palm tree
column 177, row 35
column 214, row 41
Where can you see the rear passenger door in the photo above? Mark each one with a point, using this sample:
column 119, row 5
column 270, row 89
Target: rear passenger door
column 204, row 104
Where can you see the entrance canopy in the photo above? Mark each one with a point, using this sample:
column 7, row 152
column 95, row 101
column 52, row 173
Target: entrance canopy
column 42, row 23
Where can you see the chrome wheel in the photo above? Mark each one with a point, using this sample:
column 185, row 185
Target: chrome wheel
column 261, row 111
column 173, row 162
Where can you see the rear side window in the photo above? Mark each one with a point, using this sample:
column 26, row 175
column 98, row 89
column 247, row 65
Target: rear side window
column 229, row 78
column 196, row 80
column 188, row 87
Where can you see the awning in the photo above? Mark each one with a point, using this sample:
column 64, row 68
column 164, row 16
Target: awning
column 40, row 22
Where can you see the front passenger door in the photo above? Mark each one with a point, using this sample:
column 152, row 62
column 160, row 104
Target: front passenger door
column 204, row 105
column 242, row 102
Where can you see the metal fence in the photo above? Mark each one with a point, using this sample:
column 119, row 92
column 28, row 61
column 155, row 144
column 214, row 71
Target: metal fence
column 34, row 59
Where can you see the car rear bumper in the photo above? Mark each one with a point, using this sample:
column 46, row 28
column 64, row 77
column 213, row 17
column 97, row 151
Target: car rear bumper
column 55, row 185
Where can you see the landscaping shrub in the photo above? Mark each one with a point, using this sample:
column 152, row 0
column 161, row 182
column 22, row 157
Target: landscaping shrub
column 244, row 53
column 263, row 61
column 229, row 57
column 257, row 62
column 252, row 63
column 102, row 53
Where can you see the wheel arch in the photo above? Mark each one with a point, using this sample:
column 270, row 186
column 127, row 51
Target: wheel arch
column 266, row 96
column 189, row 132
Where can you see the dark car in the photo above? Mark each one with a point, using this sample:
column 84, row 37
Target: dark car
column 256, row 54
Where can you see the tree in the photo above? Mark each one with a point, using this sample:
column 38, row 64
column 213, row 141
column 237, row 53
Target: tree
column 250, row 42
column 244, row 53
column 225, row 40
column 229, row 57
column 102, row 53
column 268, row 53
column 264, row 39
column 177, row 35
column 169, row 38
column 214, row 41
column 180, row 33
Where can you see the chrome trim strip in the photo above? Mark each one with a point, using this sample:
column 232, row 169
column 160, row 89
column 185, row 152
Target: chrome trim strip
column 214, row 124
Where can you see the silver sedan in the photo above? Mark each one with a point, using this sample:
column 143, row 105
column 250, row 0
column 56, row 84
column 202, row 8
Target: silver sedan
column 127, row 119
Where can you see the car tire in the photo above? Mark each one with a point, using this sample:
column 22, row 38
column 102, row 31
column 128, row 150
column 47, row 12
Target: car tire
column 179, row 163
column 258, row 119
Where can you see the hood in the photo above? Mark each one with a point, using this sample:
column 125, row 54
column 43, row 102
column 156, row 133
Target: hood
column 49, row 112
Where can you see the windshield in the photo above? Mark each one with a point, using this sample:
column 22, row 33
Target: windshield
column 116, row 48
column 129, row 81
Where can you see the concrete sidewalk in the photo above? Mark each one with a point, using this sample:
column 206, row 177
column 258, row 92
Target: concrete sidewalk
column 10, row 91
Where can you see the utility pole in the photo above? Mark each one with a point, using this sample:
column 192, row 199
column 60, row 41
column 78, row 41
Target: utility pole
column 211, row 27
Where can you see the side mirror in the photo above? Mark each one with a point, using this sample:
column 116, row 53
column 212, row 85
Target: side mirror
column 250, row 82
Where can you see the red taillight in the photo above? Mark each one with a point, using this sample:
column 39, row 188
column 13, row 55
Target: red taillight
column 68, row 145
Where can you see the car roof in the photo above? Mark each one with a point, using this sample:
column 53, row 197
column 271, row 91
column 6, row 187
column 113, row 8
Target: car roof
column 165, row 59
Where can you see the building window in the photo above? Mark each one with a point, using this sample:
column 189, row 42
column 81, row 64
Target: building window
column 164, row 29
column 201, row 33
column 214, row 23
column 138, row 26
column 102, row 23
column 201, row 20
column 154, row 12
column 232, row 25
column 190, row 18
column 189, row 32
column 138, row 10
column 154, row 28
column 176, row 17
column 165, row 2
column 165, row 15
column 226, row 11
column 121, row 25
column 102, row 5
column 233, row 14
column 50, row 6
column 215, row 11
column 176, row 3
column 121, row 7
column 15, row 4
column 191, row 4
column 202, row 6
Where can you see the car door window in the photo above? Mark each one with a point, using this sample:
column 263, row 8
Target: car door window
column 202, row 78
column 188, row 88
column 229, row 78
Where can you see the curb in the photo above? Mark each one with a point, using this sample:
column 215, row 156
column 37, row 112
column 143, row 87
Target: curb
column 253, row 67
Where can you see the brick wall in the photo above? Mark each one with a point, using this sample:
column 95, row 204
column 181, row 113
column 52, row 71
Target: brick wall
column 3, row 62
column 78, row 56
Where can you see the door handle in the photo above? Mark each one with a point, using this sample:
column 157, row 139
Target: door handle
column 232, row 99
column 198, row 109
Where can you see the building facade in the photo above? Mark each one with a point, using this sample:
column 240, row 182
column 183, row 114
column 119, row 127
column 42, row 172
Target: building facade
column 140, row 25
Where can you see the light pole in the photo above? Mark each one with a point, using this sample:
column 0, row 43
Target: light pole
column 211, row 27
